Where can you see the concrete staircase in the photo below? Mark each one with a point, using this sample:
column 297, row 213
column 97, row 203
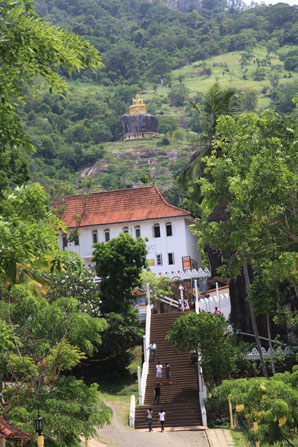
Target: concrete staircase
column 179, row 400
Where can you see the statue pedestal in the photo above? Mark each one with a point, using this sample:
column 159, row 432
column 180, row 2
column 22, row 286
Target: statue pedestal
column 139, row 125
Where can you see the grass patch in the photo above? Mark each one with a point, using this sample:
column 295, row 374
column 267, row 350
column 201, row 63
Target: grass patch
column 197, row 83
column 119, row 391
column 239, row 439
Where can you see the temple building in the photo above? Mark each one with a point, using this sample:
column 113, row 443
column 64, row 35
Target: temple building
column 140, row 212
column 138, row 124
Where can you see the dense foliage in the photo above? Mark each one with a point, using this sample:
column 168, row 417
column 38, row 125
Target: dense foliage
column 141, row 44
column 119, row 264
column 31, row 47
column 41, row 340
column 129, row 32
column 45, row 329
column 271, row 403
column 208, row 334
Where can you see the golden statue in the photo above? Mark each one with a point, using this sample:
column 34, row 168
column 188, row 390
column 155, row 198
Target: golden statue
column 137, row 106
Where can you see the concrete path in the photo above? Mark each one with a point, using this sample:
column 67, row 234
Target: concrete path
column 118, row 435
column 219, row 437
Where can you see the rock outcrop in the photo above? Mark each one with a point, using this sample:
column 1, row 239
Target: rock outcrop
column 140, row 124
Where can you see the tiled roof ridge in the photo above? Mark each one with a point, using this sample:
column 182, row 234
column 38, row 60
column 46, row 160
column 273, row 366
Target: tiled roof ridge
column 167, row 203
column 121, row 205
column 127, row 189
column 109, row 191
column 9, row 430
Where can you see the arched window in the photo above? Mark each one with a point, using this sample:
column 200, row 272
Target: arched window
column 138, row 231
column 94, row 236
column 107, row 234
column 125, row 230
column 156, row 230
column 169, row 230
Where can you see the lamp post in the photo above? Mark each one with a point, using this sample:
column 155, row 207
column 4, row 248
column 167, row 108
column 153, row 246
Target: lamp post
column 39, row 429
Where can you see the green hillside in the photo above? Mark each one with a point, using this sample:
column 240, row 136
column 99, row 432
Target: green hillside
column 170, row 58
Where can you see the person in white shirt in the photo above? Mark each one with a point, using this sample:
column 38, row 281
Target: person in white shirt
column 159, row 370
column 162, row 419
column 153, row 348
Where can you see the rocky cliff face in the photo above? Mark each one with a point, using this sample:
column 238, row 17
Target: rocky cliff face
column 140, row 123
column 184, row 5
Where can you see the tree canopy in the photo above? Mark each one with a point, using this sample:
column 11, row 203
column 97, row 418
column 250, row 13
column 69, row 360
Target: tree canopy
column 30, row 49
column 119, row 264
column 255, row 179
column 208, row 334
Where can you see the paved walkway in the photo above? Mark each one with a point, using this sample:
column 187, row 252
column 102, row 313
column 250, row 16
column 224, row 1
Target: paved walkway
column 117, row 435
column 220, row 438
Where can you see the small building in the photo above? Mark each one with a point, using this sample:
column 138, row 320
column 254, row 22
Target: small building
column 11, row 433
column 141, row 212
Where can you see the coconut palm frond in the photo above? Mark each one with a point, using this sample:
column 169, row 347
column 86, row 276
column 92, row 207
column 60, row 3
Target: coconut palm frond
column 196, row 166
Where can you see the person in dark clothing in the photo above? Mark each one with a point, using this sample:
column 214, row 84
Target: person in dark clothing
column 168, row 372
column 157, row 393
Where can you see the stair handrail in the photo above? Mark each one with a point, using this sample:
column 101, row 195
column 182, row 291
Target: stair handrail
column 142, row 379
column 202, row 386
column 132, row 411
column 170, row 301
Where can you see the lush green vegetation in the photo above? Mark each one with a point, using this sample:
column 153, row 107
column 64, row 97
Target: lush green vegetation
column 255, row 48
column 220, row 356
column 272, row 403
column 50, row 317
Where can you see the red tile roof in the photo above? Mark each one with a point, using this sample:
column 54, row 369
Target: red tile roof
column 123, row 205
column 9, row 431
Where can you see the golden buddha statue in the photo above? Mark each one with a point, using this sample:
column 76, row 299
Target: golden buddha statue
column 137, row 106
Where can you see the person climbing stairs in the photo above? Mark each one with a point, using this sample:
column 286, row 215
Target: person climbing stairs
column 178, row 399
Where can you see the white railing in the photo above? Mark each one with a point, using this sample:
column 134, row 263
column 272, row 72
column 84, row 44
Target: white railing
column 202, row 386
column 254, row 354
column 186, row 274
column 222, row 302
column 142, row 313
column 132, row 411
column 202, row 393
column 170, row 301
column 142, row 378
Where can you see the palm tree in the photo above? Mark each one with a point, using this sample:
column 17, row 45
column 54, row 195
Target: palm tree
column 217, row 102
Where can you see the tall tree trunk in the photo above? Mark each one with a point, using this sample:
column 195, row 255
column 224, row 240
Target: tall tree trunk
column 253, row 320
column 270, row 343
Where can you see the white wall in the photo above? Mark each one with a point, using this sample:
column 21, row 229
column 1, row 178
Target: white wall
column 192, row 247
column 181, row 243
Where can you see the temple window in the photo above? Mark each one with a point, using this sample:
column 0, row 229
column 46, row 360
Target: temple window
column 107, row 235
column 125, row 230
column 77, row 240
column 169, row 230
column 138, row 231
column 156, row 230
column 171, row 258
column 94, row 236
column 159, row 259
